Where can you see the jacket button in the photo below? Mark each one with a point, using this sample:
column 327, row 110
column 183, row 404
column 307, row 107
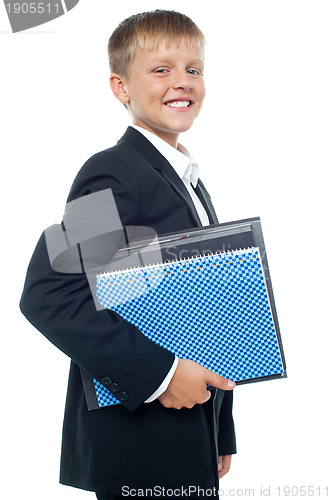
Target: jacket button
column 122, row 396
column 106, row 381
column 114, row 387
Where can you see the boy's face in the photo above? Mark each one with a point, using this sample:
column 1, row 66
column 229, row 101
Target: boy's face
column 165, row 89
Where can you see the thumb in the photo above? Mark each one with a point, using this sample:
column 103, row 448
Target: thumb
column 218, row 381
column 208, row 395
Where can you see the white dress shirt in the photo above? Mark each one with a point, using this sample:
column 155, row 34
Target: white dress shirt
column 188, row 171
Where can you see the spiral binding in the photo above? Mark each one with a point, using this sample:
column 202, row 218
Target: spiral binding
column 160, row 265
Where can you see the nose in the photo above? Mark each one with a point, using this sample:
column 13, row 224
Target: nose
column 182, row 81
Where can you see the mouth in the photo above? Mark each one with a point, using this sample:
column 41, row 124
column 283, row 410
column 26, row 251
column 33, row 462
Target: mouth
column 179, row 103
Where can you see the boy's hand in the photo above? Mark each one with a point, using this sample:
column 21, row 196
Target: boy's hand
column 224, row 465
column 188, row 385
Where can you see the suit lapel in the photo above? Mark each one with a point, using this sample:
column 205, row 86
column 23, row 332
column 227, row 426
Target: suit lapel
column 159, row 162
column 177, row 184
column 205, row 199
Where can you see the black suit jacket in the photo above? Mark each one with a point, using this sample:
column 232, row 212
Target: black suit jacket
column 132, row 444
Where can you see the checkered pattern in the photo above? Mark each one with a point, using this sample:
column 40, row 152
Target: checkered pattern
column 104, row 397
column 212, row 309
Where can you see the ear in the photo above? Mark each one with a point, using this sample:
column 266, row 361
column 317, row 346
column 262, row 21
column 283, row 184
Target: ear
column 119, row 88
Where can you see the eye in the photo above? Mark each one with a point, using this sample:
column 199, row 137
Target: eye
column 193, row 71
column 160, row 70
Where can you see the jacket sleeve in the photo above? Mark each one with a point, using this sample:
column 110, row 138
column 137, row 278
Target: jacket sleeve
column 226, row 437
column 61, row 305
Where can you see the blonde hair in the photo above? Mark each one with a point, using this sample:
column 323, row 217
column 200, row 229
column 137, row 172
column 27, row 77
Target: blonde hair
column 147, row 30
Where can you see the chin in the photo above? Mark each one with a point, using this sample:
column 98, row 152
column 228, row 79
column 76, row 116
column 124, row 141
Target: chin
column 180, row 130
column 180, row 127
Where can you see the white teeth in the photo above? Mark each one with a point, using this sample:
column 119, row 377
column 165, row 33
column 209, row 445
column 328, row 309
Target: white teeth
column 178, row 104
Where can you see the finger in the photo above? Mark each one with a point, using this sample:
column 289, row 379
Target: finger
column 225, row 463
column 208, row 395
column 223, row 471
column 220, row 467
column 218, row 381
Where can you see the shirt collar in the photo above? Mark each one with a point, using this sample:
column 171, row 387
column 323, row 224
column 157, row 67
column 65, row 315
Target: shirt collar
column 181, row 160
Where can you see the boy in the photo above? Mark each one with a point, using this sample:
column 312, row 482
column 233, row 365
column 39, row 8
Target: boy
column 170, row 436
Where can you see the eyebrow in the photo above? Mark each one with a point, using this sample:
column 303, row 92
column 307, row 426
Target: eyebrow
column 169, row 62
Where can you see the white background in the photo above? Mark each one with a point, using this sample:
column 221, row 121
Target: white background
column 263, row 142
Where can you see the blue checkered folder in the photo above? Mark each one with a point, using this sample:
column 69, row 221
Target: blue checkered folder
column 214, row 309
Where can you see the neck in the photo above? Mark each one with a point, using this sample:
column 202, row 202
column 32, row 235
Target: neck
column 170, row 138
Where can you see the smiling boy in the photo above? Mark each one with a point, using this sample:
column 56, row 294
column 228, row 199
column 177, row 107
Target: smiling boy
column 164, row 90
column 170, row 433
